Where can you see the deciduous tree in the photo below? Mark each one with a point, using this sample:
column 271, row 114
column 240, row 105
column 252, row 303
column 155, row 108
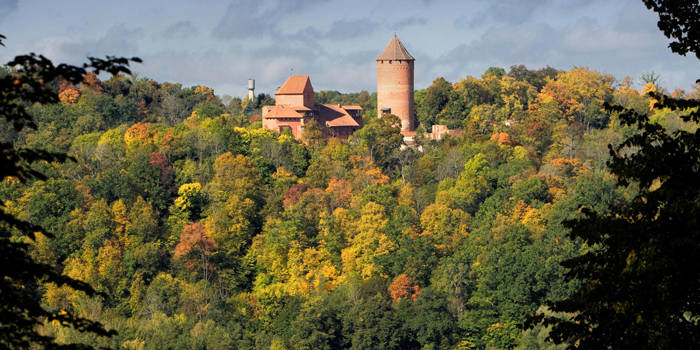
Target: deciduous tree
column 20, row 308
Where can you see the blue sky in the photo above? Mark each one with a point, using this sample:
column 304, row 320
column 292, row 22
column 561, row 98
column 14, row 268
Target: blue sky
column 222, row 43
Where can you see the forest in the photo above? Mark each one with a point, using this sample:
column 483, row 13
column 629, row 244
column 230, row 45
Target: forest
column 202, row 230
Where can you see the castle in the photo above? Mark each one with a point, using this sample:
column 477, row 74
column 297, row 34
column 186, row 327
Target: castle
column 294, row 108
column 395, row 85
column 294, row 100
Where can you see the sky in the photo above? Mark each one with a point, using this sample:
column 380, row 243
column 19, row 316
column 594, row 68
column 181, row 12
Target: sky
column 221, row 44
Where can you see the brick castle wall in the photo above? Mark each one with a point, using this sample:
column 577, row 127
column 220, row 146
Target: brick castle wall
column 395, row 90
column 307, row 99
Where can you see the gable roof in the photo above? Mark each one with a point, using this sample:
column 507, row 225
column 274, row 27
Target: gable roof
column 395, row 51
column 334, row 115
column 295, row 85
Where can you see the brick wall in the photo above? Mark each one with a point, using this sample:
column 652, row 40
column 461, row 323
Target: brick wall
column 395, row 91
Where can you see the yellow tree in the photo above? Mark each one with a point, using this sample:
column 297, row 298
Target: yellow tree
column 119, row 215
column 233, row 174
column 367, row 241
column 517, row 96
column 109, row 267
column 581, row 93
column 190, row 200
column 308, row 270
column 138, row 134
column 443, row 225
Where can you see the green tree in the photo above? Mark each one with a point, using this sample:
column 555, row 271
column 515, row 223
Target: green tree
column 640, row 277
column 317, row 326
column 20, row 308
column 428, row 320
column 537, row 78
column 466, row 94
column 382, row 138
column 372, row 324
column 433, row 101
column 471, row 187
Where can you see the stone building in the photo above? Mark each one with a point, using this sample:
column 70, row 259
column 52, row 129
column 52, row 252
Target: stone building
column 294, row 108
column 438, row 132
column 395, row 85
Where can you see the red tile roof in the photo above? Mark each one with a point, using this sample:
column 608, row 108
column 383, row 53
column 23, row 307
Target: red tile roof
column 333, row 115
column 295, row 85
column 351, row 107
column 395, row 51
column 281, row 111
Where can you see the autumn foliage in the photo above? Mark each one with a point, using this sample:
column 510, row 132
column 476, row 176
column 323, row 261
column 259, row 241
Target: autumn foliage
column 502, row 138
column 137, row 133
column 291, row 197
column 403, row 288
column 69, row 96
column 92, row 82
column 359, row 243
column 194, row 244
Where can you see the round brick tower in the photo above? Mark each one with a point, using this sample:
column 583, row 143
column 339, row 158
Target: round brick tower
column 395, row 84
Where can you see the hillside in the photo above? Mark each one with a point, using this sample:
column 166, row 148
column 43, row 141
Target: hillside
column 207, row 231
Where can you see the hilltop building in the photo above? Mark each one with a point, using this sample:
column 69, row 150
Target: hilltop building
column 395, row 85
column 294, row 107
column 294, row 100
column 438, row 132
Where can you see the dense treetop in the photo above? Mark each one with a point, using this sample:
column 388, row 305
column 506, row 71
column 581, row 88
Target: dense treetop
column 203, row 230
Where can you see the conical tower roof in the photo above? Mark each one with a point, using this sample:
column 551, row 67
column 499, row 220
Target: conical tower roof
column 395, row 51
